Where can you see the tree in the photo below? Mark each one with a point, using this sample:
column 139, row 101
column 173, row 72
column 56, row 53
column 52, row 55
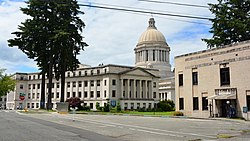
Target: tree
column 231, row 23
column 52, row 36
column 74, row 102
column 7, row 84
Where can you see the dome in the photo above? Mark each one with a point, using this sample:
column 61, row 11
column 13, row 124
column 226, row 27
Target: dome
column 152, row 34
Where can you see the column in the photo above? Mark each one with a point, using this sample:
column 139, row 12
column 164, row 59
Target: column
column 129, row 88
column 134, row 90
column 140, row 89
column 146, row 89
column 122, row 87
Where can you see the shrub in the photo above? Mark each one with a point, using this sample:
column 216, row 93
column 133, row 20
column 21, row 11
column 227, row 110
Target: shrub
column 74, row 102
column 166, row 105
column 178, row 113
column 106, row 108
column 97, row 105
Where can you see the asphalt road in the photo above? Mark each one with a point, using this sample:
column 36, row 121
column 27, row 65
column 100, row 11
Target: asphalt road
column 52, row 127
column 16, row 127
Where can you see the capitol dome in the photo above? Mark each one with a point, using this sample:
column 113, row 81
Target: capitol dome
column 151, row 35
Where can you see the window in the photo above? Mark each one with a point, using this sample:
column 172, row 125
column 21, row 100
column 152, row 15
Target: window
column 52, row 95
column 195, row 103
column 85, row 73
column 29, row 86
column 113, row 82
column 34, row 86
column 74, row 84
column 21, row 78
column 92, row 94
column 68, row 94
column 98, row 94
column 21, row 86
column 68, row 74
column 92, row 83
column 57, row 95
column 105, row 82
column 91, row 72
column 28, row 105
column 37, row 105
column 79, row 73
column 181, row 103
column 91, row 105
column 204, row 103
column 153, row 55
column 113, row 93
column 38, row 86
column 32, row 105
column 34, row 77
column 248, row 102
column 85, row 94
column 224, row 76
column 37, row 95
column 28, row 95
column 98, row 82
column 80, row 94
column 154, row 84
column 33, row 96
column 57, row 85
column 154, row 95
column 74, row 94
column 105, row 93
column 85, row 83
column 195, row 78
column 29, row 77
column 79, row 83
column 68, row 84
column 98, row 71
column 74, row 74
column 52, row 85
column 180, row 79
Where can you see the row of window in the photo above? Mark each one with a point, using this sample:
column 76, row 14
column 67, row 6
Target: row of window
column 195, row 103
column 91, row 72
column 224, row 77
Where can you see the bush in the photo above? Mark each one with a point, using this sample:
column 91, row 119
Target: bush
column 178, row 113
column 97, row 105
column 106, row 108
column 165, row 106
column 86, row 108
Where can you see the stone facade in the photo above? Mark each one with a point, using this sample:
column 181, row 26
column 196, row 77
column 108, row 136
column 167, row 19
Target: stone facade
column 214, row 82
column 131, row 87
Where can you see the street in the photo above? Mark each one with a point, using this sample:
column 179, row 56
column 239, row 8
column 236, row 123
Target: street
column 55, row 126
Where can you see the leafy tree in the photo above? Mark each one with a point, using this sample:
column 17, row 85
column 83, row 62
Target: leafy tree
column 7, row 84
column 231, row 23
column 52, row 36
column 74, row 102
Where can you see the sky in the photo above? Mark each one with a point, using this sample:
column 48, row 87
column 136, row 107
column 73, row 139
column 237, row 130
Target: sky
column 112, row 35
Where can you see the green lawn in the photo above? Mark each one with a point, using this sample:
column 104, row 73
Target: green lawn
column 129, row 113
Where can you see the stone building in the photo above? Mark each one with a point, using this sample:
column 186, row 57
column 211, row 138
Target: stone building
column 131, row 87
column 152, row 51
column 214, row 82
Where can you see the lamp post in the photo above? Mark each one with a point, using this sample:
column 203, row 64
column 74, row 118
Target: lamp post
column 210, row 109
column 228, row 109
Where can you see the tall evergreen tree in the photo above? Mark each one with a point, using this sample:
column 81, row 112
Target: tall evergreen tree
column 231, row 23
column 52, row 37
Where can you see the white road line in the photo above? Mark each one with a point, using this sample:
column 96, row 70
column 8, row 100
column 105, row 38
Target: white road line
column 174, row 133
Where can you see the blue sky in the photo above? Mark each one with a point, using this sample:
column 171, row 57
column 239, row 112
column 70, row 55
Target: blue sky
column 112, row 35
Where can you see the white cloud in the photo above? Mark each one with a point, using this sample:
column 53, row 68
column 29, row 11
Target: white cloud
column 112, row 35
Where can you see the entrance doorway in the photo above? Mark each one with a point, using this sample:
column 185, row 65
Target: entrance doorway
column 226, row 107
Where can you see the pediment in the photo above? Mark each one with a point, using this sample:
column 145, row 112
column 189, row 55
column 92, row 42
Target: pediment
column 137, row 72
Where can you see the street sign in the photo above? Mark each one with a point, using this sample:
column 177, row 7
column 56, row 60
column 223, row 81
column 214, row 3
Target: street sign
column 113, row 103
column 22, row 96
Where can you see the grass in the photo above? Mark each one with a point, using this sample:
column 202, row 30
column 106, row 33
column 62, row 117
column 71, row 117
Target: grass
column 224, row 136
column 129, row 113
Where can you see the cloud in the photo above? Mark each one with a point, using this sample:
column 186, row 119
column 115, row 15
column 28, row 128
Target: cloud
column 112, row 35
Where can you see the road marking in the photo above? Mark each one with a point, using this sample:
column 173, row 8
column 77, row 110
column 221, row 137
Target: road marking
column 174, row 133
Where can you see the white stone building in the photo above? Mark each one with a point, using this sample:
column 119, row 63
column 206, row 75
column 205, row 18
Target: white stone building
column 132, row 87
column 3, row 102
column 152, row 51
column 214, row 82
